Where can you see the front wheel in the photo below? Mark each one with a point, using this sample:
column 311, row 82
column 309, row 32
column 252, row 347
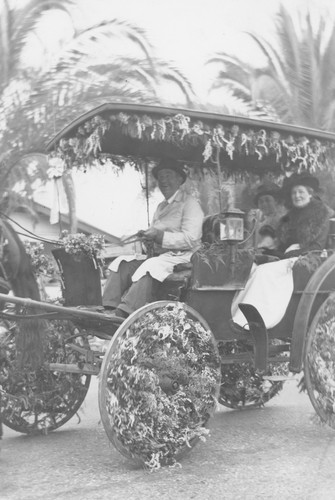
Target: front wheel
column 319, row 362
column 159, row 383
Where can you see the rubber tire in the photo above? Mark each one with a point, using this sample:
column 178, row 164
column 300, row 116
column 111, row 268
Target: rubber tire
column 319, row 359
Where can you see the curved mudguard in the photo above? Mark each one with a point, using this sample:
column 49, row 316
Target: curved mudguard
column 260, row 335
column 303, row 313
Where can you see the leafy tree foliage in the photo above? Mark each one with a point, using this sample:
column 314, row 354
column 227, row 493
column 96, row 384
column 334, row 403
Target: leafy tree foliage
column 88, row 70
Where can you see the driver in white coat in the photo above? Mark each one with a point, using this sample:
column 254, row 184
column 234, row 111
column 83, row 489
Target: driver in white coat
column 175, row 233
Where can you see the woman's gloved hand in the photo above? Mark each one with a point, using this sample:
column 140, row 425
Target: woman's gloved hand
column 262, row 258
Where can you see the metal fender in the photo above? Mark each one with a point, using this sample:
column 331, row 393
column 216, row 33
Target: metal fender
column 302, row 316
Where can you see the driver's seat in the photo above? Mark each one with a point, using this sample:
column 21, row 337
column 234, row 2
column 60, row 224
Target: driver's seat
column 176, row 284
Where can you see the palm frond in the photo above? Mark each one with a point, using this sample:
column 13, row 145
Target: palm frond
column 96, row 40
column 18, row 24
column 232, row 69
column 274, row 60
column 240, row 90
column 298, row 79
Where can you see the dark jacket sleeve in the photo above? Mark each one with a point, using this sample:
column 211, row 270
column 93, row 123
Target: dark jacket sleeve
column 314, row 235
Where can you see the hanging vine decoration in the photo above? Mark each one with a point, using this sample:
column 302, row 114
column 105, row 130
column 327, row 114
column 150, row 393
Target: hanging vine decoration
column 234, row 141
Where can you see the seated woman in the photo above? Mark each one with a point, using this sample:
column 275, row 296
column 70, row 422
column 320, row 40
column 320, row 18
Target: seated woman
column 270, row 209
column 303, row 229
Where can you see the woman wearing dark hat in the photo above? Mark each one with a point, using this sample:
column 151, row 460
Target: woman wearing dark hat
column 303, row 229
column 268, row 201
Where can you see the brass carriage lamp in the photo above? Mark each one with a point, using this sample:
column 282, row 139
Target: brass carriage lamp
column 232, row 226
column 232, row 231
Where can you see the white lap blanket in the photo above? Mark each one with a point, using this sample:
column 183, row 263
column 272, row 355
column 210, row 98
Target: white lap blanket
column 114, row 265
column 158, row 267
column 269, row 289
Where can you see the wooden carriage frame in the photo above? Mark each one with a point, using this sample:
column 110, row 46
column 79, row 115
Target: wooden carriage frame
column 228, row 146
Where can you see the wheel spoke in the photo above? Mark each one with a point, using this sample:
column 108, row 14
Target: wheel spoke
column 241, row 385
column 41, row 401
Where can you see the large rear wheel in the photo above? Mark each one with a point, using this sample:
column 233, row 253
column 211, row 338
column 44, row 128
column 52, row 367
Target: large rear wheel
column 319, row 362
column 37, row 402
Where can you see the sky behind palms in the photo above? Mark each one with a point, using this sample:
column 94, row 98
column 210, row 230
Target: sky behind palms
column 186, row 31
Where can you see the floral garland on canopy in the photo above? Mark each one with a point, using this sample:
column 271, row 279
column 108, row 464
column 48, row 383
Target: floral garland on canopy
column 234, row 140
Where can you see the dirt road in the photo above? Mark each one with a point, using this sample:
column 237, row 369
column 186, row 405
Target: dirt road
column 273, row 453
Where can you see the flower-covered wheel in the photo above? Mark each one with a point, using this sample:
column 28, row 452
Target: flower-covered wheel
column 319, row 362
column 37, row 402
column 242, row 386
column 159, row 383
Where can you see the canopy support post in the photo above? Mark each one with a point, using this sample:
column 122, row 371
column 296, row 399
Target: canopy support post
column 147, row 191
column 218, row 165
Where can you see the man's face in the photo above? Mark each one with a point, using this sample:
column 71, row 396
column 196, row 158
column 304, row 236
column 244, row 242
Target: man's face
column 267, row 204
column 169, row 181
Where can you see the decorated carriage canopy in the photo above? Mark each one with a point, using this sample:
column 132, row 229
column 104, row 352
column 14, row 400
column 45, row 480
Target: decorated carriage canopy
column 236, row 145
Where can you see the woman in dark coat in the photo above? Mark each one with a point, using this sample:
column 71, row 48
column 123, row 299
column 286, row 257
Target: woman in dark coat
column 303, row 229
column 307, row 222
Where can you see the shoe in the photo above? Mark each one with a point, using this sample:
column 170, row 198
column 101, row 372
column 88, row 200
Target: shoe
column 235, row 327
column 121, row 313
column 109, row 311
column 118, row 313
column 97, row 344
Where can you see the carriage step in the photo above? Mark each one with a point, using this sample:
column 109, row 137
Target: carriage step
column 248, row 357
column 85, row 369
column 278, row 378
column 259, row 334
